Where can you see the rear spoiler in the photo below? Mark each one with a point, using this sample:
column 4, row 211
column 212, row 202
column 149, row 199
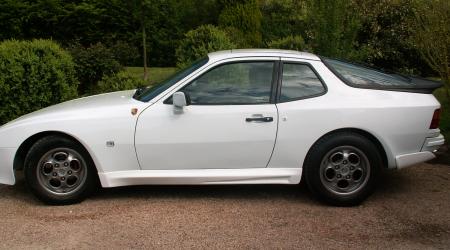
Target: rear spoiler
column 418, row 85
column 422, row 85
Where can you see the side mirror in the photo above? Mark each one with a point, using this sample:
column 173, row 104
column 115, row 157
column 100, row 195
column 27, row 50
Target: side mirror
column 179, row 101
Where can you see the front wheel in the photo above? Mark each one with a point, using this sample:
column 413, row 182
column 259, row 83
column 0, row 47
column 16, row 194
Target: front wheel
column 59, row 171
column 342, row 169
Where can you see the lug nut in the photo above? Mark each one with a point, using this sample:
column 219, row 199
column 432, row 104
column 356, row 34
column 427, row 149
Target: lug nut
column 69, row 172
column 336, row 167
column 66, row 164
column 348, row 177
column 339, row 176
column 352, row 168
column 54, row 174
column 345, row 162
column 63, row 178
column 56, row 165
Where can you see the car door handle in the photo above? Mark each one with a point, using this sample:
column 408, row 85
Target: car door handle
column 259, row 119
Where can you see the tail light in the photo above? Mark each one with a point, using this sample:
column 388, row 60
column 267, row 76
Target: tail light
column 436, row 118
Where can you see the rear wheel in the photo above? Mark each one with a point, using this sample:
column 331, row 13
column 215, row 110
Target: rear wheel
column 342, row 169
column 59, row 171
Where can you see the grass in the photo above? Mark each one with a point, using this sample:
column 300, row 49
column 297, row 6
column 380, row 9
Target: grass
column 155, row 74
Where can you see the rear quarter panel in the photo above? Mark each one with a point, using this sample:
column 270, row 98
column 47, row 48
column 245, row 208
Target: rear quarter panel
column 399, row 120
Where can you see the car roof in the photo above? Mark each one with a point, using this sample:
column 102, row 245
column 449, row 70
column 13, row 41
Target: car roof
column 224, row 54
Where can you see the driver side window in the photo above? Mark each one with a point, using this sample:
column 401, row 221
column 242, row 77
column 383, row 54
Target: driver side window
column 232, row 84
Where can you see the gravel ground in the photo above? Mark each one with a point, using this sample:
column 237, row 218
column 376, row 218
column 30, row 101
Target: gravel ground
column 410, row 210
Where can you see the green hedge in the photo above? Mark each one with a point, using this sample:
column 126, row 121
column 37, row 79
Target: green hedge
column 123, row 80
column 199, row 42
column 92, row 63
column 289, row 42
column 245, row 16
column 34, row 74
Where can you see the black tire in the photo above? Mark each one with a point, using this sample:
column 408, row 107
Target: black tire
column 82, row 185
column 323, row 165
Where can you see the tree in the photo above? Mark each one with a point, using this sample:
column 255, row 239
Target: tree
column 282, row 18
column 385, row 36
column 289, row 42
column 432, row 36
column 199, row 42
column 242, row 18
column 333, row 27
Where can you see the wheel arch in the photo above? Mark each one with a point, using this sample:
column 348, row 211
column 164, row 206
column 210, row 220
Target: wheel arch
column 25, row 146
column 381, row 148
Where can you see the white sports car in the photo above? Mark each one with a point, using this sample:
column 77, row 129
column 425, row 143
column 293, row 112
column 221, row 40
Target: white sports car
column 234, row 117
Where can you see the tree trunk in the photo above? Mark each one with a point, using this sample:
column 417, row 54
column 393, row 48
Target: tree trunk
column 447, row 83
column 447, row 88
column 445, row 76
column 144, row 47
column 144, row 38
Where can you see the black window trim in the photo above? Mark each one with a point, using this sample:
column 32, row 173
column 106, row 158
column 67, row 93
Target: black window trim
column 273, row 87
column 280, row 81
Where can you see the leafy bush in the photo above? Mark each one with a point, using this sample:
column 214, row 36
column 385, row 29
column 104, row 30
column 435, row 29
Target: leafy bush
column 34, row 74
column 199, row 42
column 333, row 27
column 244, row 16
column 92, row 63
column 289, row 42
column 237, row 36
column 122, row 80
column 282, row 18
column 125, row 53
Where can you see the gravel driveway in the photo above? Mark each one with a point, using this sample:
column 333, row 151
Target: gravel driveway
column 410, row 210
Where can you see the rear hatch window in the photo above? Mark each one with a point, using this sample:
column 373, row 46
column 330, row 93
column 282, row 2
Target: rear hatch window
column 364, row 77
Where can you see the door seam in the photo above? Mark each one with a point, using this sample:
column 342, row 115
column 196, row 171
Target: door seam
column 276, row 137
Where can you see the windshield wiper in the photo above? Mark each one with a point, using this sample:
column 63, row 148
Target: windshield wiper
column 139, row 91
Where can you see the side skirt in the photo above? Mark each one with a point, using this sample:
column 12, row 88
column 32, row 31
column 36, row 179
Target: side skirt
column 202, row 177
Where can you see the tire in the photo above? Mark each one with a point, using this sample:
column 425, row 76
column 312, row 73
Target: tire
column 342, row 169
column 59, row 171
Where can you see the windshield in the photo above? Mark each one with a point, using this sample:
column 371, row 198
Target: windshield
column 158, row 88
column 362, row 76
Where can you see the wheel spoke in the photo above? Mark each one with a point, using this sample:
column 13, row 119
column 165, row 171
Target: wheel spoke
column 345, row 154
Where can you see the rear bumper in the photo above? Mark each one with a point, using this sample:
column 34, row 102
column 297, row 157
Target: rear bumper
column 6, row 166
column 430, row 145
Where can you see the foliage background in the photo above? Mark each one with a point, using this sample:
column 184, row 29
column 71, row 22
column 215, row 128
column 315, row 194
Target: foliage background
column 104, row 37
column 373, row 31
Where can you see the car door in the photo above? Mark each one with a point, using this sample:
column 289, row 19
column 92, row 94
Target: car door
column 230, row 121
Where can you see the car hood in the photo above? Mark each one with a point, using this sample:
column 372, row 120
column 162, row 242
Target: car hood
column 85, row 104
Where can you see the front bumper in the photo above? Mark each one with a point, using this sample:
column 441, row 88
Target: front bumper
column 430, row 145
column 6, row 166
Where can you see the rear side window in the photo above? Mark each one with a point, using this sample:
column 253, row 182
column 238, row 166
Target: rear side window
column 299, row 81
column 361, row 76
